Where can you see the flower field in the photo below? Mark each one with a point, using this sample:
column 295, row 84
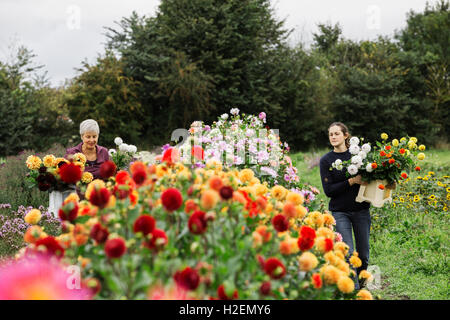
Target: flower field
column 194, row 223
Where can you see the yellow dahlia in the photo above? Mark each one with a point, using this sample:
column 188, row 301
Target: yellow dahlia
column 345, row 284
column 79, row 157
column 33, row 162
column 295, row 198
column 330, row 274
column 307, row 261
column 395, row 143
column 342, row 247
column 279, row 192
column 355, row 261
column 33, row 217
column 49, row 161
column 246, row 175
column 363, row 294
column 87, row 177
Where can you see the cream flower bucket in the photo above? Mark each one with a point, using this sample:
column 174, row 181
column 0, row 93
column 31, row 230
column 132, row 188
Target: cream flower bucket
column 371, row 193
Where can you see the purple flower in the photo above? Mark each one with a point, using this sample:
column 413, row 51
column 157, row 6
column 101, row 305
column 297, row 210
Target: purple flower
column 165, row 147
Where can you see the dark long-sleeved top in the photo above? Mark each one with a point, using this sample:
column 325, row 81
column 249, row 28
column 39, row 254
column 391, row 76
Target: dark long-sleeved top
column 336, row 186
column 92, row 166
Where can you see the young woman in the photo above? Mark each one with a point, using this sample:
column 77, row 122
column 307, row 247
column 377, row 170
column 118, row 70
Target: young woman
column 342, row 191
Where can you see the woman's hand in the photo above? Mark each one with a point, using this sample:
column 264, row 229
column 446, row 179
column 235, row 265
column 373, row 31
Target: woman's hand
column 357, row 179
column 391, row 186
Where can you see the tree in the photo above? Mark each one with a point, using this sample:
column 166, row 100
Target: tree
column 102, row 92
column 384, row 91
column 328, row 37
column 230, row 43
column 428, row 35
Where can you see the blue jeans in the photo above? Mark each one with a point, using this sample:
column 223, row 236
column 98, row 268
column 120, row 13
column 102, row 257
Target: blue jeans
column 360, row 222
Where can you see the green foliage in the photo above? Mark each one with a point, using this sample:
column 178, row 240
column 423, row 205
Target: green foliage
column 328, row 36
column 219, row 54
column 383, row 89
column 102, row 92
column 427, row 35
column 32, row 114
column 15, row 188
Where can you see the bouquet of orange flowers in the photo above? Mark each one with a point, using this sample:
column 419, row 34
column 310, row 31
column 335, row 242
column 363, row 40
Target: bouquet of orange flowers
column 52, row 173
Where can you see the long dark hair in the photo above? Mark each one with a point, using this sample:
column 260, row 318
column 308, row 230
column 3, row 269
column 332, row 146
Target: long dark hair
column 344, row 130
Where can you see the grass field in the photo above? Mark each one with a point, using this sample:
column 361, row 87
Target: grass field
column 410, row 246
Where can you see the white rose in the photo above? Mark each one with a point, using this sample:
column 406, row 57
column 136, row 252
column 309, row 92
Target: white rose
column 123, row 147
column 132, row 148
column 352, row 169
column 111, row 152
column 354, row 149
column 366, row 148
column 338, row 162
column 362, row 154
column 354, row 141
column 369, row 167
column 224, row 116
column 118, row 141
column 356, row 159
column 234, row 111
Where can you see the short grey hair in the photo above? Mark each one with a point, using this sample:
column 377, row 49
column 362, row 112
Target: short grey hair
column 89, row 125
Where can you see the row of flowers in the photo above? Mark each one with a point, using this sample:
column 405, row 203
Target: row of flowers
column 429, row 192
column 239, row 141
column 171, row 231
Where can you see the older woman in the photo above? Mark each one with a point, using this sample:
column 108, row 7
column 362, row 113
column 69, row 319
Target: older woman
column 95, row 154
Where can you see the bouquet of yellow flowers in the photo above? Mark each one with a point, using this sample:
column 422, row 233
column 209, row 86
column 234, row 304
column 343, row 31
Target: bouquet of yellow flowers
column 52, row 173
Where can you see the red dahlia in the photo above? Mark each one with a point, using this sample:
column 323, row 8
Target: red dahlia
column 70, row 173
column 122, row 177
column 223, row 295
column 115, row 248
column 144, row 224
column 139, row 176
column 172, row 199
column 99, row 233
column 197, row 222
column 280, row 223
column 52, row 246
column 305, row 243
column 265, row 288
column 226, row 192
column 69, row 211
column 171, row 155
column 328, row 245
column 108, row 169
column 307, row 232
column 274, row 268
column 100, row 197
column 187, row 279
column 158, row 239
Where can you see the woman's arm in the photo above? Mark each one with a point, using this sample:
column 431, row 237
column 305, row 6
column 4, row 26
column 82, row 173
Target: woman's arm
column 332, row 189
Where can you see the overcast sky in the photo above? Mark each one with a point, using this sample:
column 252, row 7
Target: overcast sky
column 62, row 33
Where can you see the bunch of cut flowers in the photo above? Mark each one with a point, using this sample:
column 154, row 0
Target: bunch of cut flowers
column 389, row 161
column 56, row 173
